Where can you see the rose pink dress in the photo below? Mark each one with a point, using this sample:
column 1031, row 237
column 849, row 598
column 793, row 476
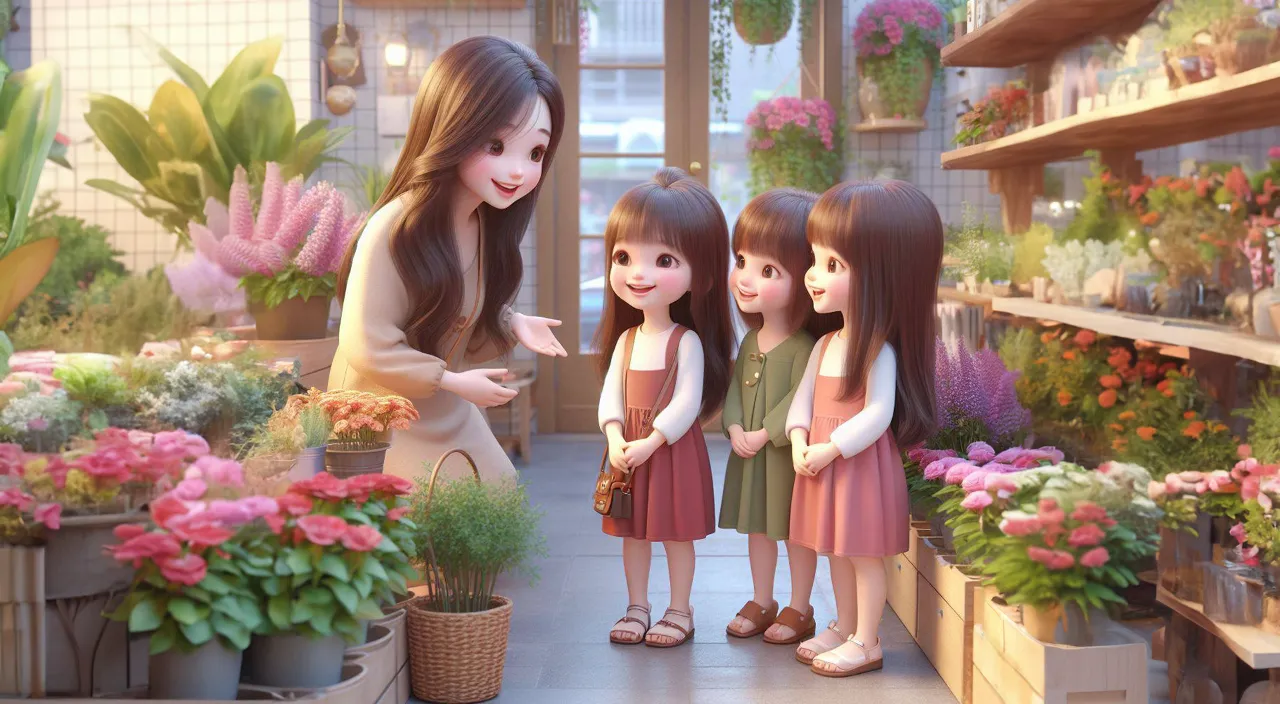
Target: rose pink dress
column 672, row 496
column 857, row 506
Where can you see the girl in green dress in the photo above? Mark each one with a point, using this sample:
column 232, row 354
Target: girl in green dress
column 767, row 282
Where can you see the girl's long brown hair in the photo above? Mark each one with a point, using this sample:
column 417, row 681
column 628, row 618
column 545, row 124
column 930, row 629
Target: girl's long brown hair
column 472, row 91
column 890, row 234
column 773, row 225
column 677, row 211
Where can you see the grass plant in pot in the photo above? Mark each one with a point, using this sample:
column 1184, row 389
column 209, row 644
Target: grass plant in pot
column 192, row 589
column 335, row 550
column 469, row 534
column 898, row 43
column 793, row 144
column 287, row 260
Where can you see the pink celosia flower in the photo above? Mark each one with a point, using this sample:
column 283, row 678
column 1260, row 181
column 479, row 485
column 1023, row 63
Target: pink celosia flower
column 1096, row 557
column 976, row 501
column 1085, row 535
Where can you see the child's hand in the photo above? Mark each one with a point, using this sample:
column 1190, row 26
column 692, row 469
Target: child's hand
column 738, row 441
column 618, row 457
column 756, row 440
column 798, row 461
column 638, row 452
column 818, row 457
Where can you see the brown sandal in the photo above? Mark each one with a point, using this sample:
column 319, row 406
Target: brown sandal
column 802, row 625
column 628, row 618
column 686, row 636
column 759, row 617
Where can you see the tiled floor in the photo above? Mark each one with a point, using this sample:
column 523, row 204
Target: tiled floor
column 559, row 650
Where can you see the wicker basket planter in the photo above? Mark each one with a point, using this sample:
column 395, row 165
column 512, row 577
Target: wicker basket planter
column 458, row 658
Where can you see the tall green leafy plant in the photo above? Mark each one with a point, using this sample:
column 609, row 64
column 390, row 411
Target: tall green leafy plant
column 186, row 147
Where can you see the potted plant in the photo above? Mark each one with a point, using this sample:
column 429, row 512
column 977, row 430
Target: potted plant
column 793, row 144
column 288, row 260
column 469, row 533
column 191, row 590
column 1005, row 110
column 757, row 22
column 1224, row 33
column 763, row 22
column 898, row 44
column 360, row 421
column 334, row 552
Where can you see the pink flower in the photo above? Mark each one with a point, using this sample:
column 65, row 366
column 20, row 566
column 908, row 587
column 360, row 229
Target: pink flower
column 361, row 538
column 1050, row 514
column 190, row 490
column 1244, row 452
column 230, row 513
column 146, row 546
column 980, row 452
column 1042, row 555
column 220, row 471
column 295, row 504
column 1089, row 511
column 260, row 506
column 1085, row 535
column 1219, row 482
column 200, row 530
column 16, row 498
column 397, row 513
column 1002, row 484
column 50, row 515
column 189, row 569
column 1061, row 560
column 974, row 481
column 323, row 486
column 1018, row 524
column 1237, row 532
column 1096, row 557
column 976, row 501
column 1273, row 153
column 937, row 469
column 323, row 530
column 958, row 472
column 126, row 531
column 1155, row 490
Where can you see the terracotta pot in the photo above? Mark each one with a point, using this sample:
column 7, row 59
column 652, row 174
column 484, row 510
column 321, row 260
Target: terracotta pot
column 768, row 34
column 874, row 105
column 294, row 319
column 1042, row 622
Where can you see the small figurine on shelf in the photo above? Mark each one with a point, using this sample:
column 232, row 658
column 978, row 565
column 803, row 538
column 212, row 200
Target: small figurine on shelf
column 768, row 284
column 664, row 343
column 867, row 390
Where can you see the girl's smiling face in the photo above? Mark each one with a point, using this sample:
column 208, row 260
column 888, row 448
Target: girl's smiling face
column 647, row 275
column 828, row 281
column 760, row 284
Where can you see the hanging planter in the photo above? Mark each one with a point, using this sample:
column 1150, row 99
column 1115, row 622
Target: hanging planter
column 898, row 44
column 763, row 22
column 793, row 144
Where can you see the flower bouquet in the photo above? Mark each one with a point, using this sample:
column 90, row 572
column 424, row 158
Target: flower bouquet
column 287, row 260
column 793, row 143
column 898, row 43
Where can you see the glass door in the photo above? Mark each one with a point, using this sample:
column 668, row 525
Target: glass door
column 630, row 94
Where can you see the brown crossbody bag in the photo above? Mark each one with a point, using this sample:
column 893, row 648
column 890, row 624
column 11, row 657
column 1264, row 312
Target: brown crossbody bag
column 613, row 486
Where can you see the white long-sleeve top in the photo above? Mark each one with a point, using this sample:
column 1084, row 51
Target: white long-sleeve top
column 866, row 426
column 649, row 354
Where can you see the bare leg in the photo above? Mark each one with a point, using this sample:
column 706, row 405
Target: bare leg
column 803, row 564
column 680, row 563
column 846, row 585
column 763, row 554
column 637, row 556
column 863, row 653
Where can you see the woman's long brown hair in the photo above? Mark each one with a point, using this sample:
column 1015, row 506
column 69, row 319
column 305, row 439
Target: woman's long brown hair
column 472, row 91
column 890, row 234
column 773, row 225
column 677, row 211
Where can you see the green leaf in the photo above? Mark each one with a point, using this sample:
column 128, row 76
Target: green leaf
column 25, row 141
column 272, row 586
column 163, row 638
column 363, row 584
column 322, row 619
column 215, row 584
column 346, row 596
column 262, row 127
column 183, row 610
column 367, row 611
column 176, row 117
column 197, row 633
column 253, row 62
column 146, row 616
column 299, row 561
column 189, row 76
column 282, row 567
column 333, row 566
column 317, row 596
column 302, row 612
column 237, row 633
column 279, row 608
column 125, row 132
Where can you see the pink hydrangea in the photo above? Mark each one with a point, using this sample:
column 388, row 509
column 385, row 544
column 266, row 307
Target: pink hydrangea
column 974, row 481
column 977, row 501
column 938, row 468
column 980, row 452
column 1002, row 484
column 958, row 472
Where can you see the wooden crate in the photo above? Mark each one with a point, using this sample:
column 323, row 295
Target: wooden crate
column 947, row 607
column 1025, row 671
column 902, row 576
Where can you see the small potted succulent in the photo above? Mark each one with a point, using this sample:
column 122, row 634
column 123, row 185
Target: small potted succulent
column 794, row 144
column 898, row 43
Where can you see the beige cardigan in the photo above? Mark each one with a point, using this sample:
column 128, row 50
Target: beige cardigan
column 374, row 355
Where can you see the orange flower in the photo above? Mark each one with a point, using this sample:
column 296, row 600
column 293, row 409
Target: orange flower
column 1216, row 427
column 1168, row 393
column 1150, row 218
column 1119, row 444
column 1116, row 427
column 1205, row 237
column 1042, row 360
column 1064, row 398
column 1194, row 429
column 1166, row 387
column 1046, row 337
column 1084, row 338
column 1146, row 432
column 1107, row 398
column 1189, row 415
column 1128, row 415
column 1069, row 355
column 1111, row 381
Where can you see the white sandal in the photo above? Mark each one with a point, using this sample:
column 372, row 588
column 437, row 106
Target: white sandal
column 850, row 658
column 820, row 643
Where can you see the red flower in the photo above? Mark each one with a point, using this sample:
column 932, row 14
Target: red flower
column 392, row 484
column 295, row 504
column 1111, row 381
column 397, row 513
column 323, row 530
column 1084, row 338
column 166, row 508
column 201, row 530
column 126, row 531
column 1107, row 398
column 1088, row 511
column 147, row 546
column 188, row 569
column 50, row 515
column 1087, row 534
column 275, row 522
column 323, row 486
column 1096, row 557
column 361, row 538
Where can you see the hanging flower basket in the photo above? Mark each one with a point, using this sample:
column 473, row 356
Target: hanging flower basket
column 793, row 145
column 898, row 44
column 763, row 22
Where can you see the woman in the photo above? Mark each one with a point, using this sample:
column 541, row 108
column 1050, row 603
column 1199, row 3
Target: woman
column 426, row 288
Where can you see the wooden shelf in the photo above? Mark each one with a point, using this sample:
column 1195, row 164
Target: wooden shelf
column 1031, row 30
column 950, row 293
column 1254, row 646
column 1212, row 108
column 891, row 126
column 1191, row 334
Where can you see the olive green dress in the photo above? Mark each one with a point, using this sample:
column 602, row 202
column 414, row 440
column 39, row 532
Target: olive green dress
column 757, row 491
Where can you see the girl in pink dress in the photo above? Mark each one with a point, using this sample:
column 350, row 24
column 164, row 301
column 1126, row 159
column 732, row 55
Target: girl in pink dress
column 867, row 390
column 667, row 308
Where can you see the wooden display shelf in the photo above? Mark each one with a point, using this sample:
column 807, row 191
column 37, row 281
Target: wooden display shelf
column 1168, row 331
column 1212, row 108
column 1255, row 647
column 1031, row 30
column 950, row 293
column 447, row 4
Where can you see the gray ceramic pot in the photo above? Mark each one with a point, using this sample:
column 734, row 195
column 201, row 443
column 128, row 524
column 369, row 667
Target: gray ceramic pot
column 289, row 660
column 210, row 672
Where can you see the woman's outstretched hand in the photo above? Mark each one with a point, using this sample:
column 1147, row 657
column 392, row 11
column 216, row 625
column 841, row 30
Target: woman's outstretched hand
column 479, row 386
column 535, row 333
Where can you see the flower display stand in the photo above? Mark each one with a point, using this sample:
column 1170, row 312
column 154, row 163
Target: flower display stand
column 350, row 690
column 22, row 622
column 902, row 575
column 378, row 657
column 947, row 607
column 1012, row 667
column 395, row 622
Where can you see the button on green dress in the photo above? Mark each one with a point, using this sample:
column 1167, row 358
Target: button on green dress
column 757, row 491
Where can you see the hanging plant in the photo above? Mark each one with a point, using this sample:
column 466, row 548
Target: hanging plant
column 763, row 22
column 759, row 23
column 793, row 144
column 899, row 43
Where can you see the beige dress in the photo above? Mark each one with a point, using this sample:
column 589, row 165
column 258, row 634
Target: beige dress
column 374, row 355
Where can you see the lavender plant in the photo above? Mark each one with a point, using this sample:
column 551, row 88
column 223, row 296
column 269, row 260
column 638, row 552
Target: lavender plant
column 977, row 400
